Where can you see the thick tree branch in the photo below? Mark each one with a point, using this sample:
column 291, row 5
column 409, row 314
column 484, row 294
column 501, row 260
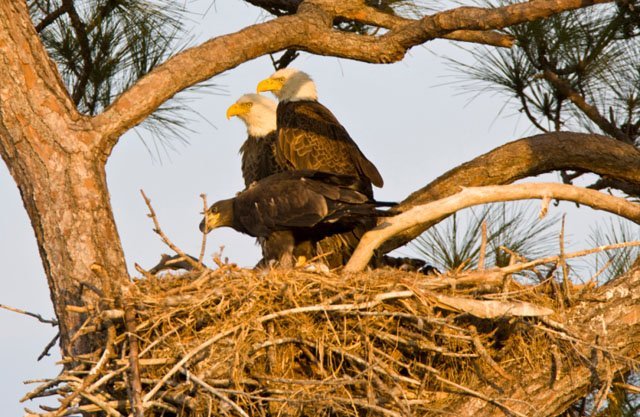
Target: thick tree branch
column 526, row 158
column 310, row 29
column 469, row 197
column 374, row 17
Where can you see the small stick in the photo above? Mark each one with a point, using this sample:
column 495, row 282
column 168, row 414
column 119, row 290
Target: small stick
column 203, row 245
column 483, row 246
column 135, row 386
column 627, row 387
column 601, row 270
column 93, row 374
column 52, row 322
column 47, row 348
column 35, row 393
column 215, row 392
column 550, row 259
column 563, row 265
column 165, row 239
column 544, row 207
column 143, row 271
column 482, row 351
column 105, row 406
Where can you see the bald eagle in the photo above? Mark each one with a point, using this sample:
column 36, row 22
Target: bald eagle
column 310, row 136
column 293, row 210
column 258, row 152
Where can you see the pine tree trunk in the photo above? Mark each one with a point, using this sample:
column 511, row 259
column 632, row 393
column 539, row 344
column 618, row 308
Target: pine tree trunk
column 57, row 160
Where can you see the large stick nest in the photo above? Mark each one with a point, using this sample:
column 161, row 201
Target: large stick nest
column 291, row 343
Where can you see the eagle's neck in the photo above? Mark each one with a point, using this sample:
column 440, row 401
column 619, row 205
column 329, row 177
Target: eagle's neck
column 299, row 90
column 260, row 124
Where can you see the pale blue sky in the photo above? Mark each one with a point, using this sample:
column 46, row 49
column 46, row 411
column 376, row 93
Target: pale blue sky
column 402, row 117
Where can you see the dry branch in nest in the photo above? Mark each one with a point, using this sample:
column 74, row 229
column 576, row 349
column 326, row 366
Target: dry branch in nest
column 244, row 343
column 471, row 196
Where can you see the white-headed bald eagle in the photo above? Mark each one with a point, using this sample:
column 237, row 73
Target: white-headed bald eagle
column 310, row 136
column 259, row 150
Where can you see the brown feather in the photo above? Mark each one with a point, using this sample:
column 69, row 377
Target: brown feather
column 310, row 137
column 259, row 158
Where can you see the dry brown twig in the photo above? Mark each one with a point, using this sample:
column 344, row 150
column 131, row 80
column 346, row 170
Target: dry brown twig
column 47, row 348
column 483, row 246
column 134, row 386
column 563, row 264
column 93, row 373
column 52, row 322
column 158, row 230
column 203, row 245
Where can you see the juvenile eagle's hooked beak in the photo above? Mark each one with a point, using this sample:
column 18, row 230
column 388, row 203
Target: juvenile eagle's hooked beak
column 211, row 221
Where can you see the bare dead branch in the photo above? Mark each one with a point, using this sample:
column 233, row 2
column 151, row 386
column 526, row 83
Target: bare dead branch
column 52, row 322
column 165, row 239
column 563, row 264
column 554, row 259
column 52, row 343
column 481, row 195
column 203, row 245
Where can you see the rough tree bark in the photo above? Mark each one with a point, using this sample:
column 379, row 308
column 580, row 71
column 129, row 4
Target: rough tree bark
column 57, row 161
column 57, row 156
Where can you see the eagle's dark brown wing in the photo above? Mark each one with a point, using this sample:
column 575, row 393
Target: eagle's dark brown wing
column 315, row 203
column 259, row 158
column 310, row 137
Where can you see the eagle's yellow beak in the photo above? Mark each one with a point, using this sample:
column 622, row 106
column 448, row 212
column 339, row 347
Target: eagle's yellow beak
column 210, row 222
column 270, row 84
column 236, row 109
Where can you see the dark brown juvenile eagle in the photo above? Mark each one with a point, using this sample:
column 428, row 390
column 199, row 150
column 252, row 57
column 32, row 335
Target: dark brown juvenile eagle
column 293, row 210
column 310, row 136
column 258, row 152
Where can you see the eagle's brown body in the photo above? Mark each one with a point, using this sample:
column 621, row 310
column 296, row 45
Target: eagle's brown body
column 310, row 137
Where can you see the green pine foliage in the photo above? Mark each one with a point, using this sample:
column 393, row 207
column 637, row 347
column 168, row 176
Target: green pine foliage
column 614, row 263
column 102, row 47
column 595, row 51
column 455, row 243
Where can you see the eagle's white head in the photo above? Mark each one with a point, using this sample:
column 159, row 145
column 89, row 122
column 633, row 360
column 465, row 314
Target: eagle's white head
column 257, row 112
column 290, row 84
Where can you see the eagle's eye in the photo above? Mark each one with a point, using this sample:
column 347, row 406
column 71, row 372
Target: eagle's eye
column 247, row 105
